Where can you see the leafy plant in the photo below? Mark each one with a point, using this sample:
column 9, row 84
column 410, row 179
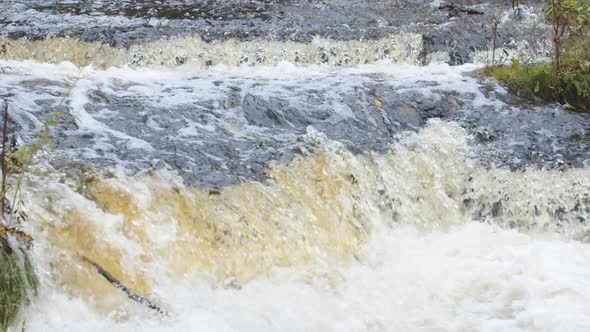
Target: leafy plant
column 569, row 18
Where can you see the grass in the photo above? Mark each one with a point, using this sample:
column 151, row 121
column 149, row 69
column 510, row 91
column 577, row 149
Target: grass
column 12, row 288
column 570, row 86
column 16, row 280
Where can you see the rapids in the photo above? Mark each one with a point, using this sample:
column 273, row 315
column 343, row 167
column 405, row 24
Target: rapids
column 294, row 166
column 420, row 238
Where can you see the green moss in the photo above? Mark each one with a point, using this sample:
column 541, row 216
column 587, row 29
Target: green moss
column 16, row 280
column 517, row 77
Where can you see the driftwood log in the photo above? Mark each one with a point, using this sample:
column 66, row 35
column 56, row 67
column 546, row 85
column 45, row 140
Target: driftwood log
column 115, row 282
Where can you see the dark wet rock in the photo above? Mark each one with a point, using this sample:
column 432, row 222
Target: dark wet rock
column 234, row 131
column 407, row 116
column 544, row 137
column 215, row 139
column 194, row 139
column 457, row 28
column 455, row 10
column 271, row 113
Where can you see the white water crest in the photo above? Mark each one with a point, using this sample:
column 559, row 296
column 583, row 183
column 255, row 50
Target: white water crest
column 193, row 51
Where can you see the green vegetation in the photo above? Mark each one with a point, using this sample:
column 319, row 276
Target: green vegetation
column 13, row 290
column 568, row 87
column 567, row 78
column 17, row 277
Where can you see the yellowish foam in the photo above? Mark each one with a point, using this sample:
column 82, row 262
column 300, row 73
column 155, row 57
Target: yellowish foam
column 172, row 52
column 310, row 213
column 57, row 50
column 316, row 213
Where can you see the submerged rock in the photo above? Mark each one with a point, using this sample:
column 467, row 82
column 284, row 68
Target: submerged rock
column 218, row 127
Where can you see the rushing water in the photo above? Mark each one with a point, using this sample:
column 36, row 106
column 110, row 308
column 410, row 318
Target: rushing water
column 421, row 235
column 320, row 184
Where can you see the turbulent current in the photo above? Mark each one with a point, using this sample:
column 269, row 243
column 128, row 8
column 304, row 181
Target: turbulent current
column 333, row 179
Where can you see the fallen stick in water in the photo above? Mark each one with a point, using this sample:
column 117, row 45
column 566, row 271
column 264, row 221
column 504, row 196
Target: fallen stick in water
column 135, row 297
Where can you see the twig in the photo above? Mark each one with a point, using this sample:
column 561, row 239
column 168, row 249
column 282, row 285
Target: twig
column 115, row 282
column 3, row 160
column 16, row 192
column 495, row 35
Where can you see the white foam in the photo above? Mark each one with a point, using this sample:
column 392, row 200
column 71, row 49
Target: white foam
column 474, row 277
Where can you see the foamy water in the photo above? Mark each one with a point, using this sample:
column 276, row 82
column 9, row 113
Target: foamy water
column 473, row 277
column 312, row 250
column 173, row 52
column 424, row 237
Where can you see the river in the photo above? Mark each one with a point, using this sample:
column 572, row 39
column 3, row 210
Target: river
column 294, row 166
